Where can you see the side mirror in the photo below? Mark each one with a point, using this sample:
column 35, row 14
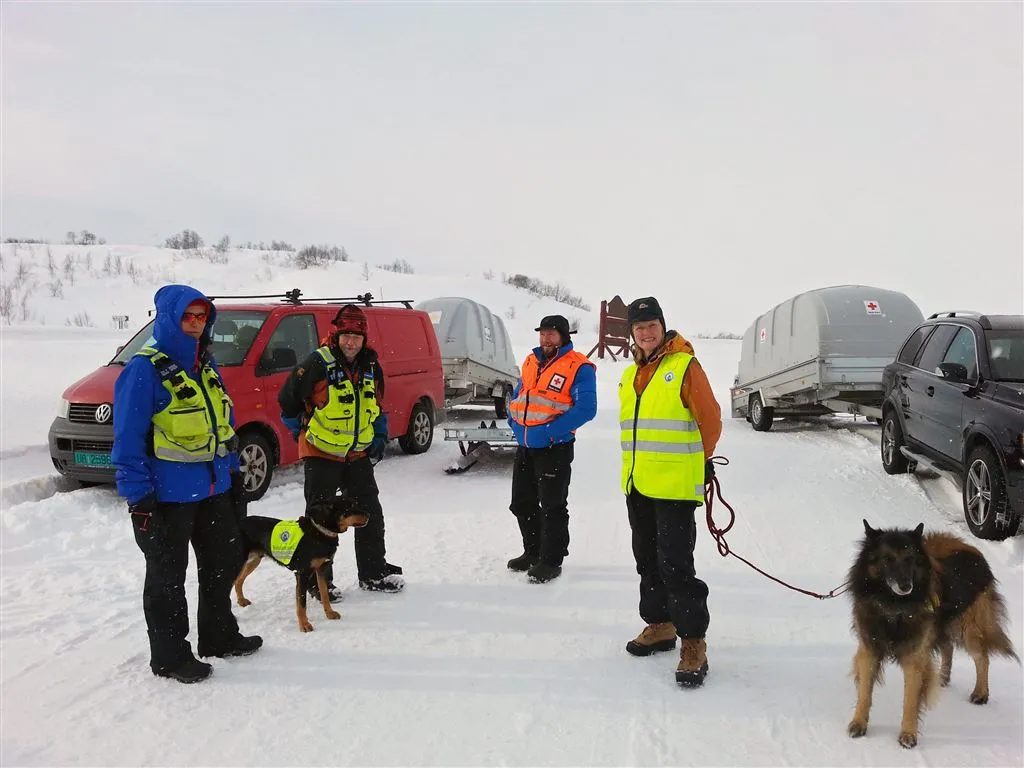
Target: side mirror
column 954, row 372
column 118, row 350
column 279, row 358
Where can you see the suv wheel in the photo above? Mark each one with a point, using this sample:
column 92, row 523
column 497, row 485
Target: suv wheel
column 257, row 462
column 421, row 431
column 986, row 506
column 893, row 460
column 761, row 416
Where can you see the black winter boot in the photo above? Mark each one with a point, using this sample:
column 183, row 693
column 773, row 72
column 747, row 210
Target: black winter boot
column 189, row 671
column 334, row 594
column 240, row 646
column 541, row 573
column 522, row 563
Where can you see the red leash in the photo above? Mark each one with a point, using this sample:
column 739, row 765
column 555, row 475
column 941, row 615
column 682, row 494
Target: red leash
column 713, row 488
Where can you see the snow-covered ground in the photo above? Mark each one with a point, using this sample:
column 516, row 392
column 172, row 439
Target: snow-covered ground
column 471, row 665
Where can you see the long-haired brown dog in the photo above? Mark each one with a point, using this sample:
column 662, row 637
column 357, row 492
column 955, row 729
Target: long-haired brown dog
column 915, row 596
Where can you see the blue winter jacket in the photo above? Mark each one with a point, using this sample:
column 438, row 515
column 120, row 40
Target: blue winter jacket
column 584, row 408
column 138, row 394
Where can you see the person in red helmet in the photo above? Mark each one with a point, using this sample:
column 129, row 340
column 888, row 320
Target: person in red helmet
column 332, row 403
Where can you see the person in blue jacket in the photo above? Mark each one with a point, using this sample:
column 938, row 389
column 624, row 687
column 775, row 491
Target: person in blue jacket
column 556, row 395
column 178, row 469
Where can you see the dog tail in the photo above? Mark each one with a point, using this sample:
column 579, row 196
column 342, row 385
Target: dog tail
column 997, row 640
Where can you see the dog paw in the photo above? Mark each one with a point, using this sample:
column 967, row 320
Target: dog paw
column 307, row 627
column 332, row 615
column 243, row 602
column 908, row 739
column 857, row 729
column 978, row 698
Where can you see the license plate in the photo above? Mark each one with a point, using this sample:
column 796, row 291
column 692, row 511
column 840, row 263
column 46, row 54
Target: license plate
column 89, row 459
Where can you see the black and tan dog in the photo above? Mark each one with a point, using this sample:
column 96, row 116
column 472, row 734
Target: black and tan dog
column 302, row 546
column 915, row 596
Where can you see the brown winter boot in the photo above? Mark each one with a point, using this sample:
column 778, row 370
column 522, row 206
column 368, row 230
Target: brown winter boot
column 654, row 638
column 693, row 663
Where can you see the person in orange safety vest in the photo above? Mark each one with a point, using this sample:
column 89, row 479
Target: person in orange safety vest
column 556, row 395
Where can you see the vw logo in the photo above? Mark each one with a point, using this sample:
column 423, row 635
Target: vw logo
column 103, row 413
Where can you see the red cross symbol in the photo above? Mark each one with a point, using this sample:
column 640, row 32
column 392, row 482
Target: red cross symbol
column 872, row 306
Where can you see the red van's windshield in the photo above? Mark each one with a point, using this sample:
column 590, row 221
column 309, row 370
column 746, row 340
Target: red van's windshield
column 232, row 335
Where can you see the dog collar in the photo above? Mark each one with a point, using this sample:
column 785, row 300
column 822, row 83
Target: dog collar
column 324, row 531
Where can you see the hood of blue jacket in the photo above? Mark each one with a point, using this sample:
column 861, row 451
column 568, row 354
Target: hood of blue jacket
column 171, row 301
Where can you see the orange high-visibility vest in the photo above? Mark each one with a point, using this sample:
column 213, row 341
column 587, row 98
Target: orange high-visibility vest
column 544, row 395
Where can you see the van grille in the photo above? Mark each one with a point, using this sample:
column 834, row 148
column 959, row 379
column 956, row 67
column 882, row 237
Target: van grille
column 99, row 446
column 83, row 413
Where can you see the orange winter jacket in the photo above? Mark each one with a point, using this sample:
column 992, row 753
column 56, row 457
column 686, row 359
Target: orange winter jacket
column 695, row 392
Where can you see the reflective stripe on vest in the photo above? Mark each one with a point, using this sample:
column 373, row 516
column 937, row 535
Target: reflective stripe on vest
column 345, row 421
column 284, row 539
column 195, row 425
column 662, row 452
column 545, row 393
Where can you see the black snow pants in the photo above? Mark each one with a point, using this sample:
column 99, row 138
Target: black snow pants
column 212, row 527
column 323, row 479
column 664, row 537
column 540, row 500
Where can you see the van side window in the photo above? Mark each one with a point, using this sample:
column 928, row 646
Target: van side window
column 962, row 351
column 294, row 332
column 935, row 348
column 913, row 345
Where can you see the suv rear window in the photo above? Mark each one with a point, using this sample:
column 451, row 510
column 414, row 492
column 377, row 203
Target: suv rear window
column 1006, row 354
column 231, row 336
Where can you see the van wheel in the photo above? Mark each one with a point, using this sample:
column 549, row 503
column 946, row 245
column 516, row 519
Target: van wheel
column 986, row 507
column 421, row 431
column 893, row 460
column 501, row 404
column 761, row 417
column 257, row 462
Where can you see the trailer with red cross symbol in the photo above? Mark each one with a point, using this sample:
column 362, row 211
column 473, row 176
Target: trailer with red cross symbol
column 820, row 353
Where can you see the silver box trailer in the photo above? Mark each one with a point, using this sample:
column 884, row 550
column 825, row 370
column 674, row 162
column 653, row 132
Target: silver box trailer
column 476, row 353
column 821, row 352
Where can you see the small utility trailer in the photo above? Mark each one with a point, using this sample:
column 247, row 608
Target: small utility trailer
column 821, row 352
column 478, row 443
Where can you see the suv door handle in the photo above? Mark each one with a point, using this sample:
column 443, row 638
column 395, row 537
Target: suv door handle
column 930, row 391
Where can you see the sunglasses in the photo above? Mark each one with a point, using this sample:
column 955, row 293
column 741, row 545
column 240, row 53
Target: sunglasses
column 198, row 317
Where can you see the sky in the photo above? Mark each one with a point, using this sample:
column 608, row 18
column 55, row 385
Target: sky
column 722, row 157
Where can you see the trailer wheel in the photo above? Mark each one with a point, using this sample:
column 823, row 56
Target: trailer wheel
column 986, row 507
column 761, row 416
column 421, row 431
column 893, row 460
column 501, row 403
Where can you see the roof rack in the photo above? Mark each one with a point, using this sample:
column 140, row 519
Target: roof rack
column 983, row 320
column 294, row 296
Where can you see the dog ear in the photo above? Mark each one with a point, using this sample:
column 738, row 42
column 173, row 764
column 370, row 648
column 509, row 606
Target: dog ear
column 919, row 531
column 871, row 532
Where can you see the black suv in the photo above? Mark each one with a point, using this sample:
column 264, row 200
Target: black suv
column 954, row 403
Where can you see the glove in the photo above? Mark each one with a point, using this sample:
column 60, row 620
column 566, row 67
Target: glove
column 376, row 449
column 709, row 471
column 293, row 425
column 142, row 511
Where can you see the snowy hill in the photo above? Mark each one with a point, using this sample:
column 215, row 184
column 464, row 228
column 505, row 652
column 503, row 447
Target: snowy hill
column 471, row 665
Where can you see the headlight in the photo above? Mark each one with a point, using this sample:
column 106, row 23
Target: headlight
column 64, row 409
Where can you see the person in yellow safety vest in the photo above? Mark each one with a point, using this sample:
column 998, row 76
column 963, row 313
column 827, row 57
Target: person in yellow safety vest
column 333, row 404
column 556, row 395
column 176, row 460
column 670, row 423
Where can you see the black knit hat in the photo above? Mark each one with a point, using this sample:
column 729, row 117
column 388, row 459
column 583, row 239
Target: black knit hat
column 556, row 323
column 643, row 309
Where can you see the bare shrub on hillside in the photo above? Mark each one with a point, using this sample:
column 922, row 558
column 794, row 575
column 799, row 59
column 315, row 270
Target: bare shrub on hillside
column 51, row 264
column 558, row 292
column 56, row 288
column 366, row 273
column 400, row 266
column 6, row 302
column 318, row 256
column 80, row 320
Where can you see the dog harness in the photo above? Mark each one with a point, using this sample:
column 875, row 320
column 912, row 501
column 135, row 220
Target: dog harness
column 195, row 425
column 284, row 539
column 345, row 422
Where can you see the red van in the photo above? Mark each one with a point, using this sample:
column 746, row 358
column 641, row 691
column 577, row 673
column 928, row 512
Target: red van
column 256, row 345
